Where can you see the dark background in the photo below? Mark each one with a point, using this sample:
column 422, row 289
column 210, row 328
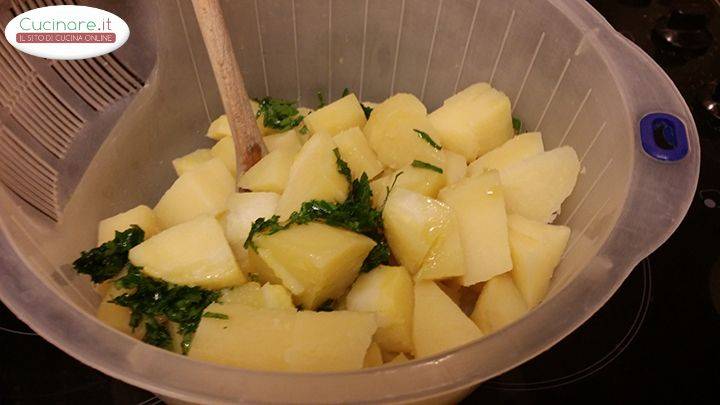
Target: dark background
column 657, row 340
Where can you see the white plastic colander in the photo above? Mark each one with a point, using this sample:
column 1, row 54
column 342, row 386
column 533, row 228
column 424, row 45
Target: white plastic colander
column 83, row 140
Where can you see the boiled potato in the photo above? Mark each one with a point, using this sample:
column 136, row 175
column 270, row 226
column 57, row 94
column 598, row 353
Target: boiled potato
column 224, row 150
column 536, row 187
column 388, row 292
column 242, row 210
column 445, row 259
column 455, row 166
column 480, row 209
column 281, row 340
column 373, row 356
column 316, row 262
column 439, row 324
column 337, row 116
column 193, row 253
column 412, row 224
column 420, row 180
column 142, row 216
column 536, row 250
column 116, row 316
column 313, row 175
column 219, row 129
column 285, row 140
column 499, row 304
column 270, row 296
column 202, row 191
column 469, row 94
column 191, row 160
column 475, row 125
column 391, row 133
column 354, row 149
column 271, row 173
column 399, row 359
column 511, row 152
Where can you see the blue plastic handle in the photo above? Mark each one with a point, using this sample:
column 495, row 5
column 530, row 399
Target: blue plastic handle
column 664, row 137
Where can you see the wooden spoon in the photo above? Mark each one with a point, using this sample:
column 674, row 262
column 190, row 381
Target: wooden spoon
column 249, row 146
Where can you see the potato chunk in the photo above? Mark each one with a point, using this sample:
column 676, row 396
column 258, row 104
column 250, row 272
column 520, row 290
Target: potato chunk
column 270, row 296
column 193, row 253
column 288, row 139
column 313, row 175
column 439, row 324
column 191, row 161
column 412, row 224
column 316, row 262
column 355, row 150
column 224, row 150
column 445, row 259
column 142, row 216
column 455, row 166
column 219, row 129
column 388, row 292
column 337, row 116
column 242, row 210
column 202, row 191
column 373, row 356
column 270, row 173
column 511, row 152
column 480, row 209
column 536, row 187
column 391, row 132
column 474, row 125
column 281, row 340
column 499, row 304
column 536, row 250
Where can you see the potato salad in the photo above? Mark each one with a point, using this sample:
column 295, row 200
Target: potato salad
column 369, row 234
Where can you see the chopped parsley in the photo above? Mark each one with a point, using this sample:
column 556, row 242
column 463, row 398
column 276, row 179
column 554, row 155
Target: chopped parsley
column 215, row 315
column 108, row 260
column 367, row 110
column 424, row 165
column 345, row 92
column 279, row 114
column 321, row 100
column 517, row 125
column 153, row 303
column 425, row 137
column 303, row 130
column 356, row 214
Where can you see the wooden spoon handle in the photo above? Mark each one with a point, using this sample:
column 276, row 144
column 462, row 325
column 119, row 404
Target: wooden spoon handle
column 249, row 146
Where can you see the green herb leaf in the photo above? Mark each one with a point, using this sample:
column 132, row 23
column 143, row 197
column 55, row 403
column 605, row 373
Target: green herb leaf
column 342, row 165
column 321, row 101
column 517, row 125
column 157, row 334
column 425, row 137
column 253, row 277
column 345, row 92
column 215, row 315
column 424, row 165
column 356, row 214
column 303, row 130
column 107, row 261
column 279, row 114
column 380, row 254
column 156, row 302
column 367, row 110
